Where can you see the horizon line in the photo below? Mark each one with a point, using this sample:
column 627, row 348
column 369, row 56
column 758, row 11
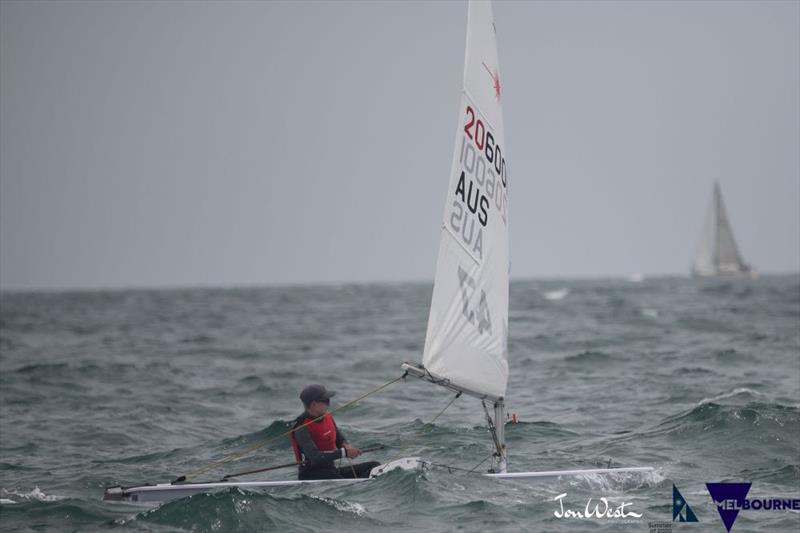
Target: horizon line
column 339, row 283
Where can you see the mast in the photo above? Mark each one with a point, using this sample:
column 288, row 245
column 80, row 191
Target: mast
column 500, row 463
column 715, row 256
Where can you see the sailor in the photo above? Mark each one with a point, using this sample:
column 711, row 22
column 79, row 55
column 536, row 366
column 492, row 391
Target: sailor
column 317, row 442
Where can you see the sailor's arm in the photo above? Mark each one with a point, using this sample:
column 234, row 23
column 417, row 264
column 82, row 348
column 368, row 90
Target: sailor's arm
column 341, row 441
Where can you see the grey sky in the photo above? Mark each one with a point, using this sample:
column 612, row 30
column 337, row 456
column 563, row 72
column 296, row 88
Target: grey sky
column 168, row 143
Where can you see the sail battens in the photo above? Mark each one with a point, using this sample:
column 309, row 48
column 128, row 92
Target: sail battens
column 461, row 244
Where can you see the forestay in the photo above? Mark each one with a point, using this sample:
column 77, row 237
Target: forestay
column 466, row 341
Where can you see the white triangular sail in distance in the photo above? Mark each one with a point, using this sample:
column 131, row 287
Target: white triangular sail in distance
column 466, row 342
column 718, row 255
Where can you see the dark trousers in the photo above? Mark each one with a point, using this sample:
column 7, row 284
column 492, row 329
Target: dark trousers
column 343, row 472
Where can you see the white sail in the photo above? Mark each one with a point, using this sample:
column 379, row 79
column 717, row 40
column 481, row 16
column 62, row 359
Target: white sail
column 466, row 341
column 718, row 255
column 704, row 258
column 727, row 252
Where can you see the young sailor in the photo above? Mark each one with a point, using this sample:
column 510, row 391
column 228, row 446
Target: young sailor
column 318, row 443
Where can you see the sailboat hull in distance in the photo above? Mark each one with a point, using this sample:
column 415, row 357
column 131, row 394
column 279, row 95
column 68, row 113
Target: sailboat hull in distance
column 747, row 273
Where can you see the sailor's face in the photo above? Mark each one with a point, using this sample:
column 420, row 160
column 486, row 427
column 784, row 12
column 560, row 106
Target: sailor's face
column 318, row 407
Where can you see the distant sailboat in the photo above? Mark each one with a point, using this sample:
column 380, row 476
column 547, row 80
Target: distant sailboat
column 718, row 255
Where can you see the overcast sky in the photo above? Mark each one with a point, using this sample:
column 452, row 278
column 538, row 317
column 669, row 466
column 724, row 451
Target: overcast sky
column 202, row 143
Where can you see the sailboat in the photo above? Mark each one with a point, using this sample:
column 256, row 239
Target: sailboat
column 718, row 255
column 466, row 344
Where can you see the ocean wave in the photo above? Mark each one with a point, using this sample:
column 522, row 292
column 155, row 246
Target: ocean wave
column 590, row 357
column 706, row 391
column 43, row 369
column 683, row 371
column 36, row 494
column 773, row 421
column 242, row 510
column 522, row 430
column 343, row 505
column 617, row 482
column 731, row 354
column 741, row 391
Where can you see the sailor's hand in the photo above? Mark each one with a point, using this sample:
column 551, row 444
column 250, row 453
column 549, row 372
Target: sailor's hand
column 352, row 452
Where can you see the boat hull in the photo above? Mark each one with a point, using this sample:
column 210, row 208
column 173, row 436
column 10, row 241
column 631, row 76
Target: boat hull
column 166, row 492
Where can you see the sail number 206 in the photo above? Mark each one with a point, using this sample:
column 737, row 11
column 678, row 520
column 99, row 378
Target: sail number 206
column 484, row 141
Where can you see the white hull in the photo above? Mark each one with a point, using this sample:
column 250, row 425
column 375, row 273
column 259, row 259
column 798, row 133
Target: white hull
column 561, row 473
column 725, row 274
column 167, row 492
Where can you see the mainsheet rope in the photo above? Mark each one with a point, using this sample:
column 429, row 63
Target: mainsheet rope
column 239, row 455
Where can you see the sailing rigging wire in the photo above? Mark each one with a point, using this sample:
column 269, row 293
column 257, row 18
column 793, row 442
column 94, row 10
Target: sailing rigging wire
column 456, row 397
column 238, row 455
column 450, row 468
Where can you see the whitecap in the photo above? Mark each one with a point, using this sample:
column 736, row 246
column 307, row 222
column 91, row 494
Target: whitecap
column 619, row 482
column 35, row 494
column 650, row 313
column 559, row 294
column 734, row 392
column 343, row 506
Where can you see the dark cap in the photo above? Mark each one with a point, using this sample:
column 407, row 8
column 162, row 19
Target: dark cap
column 315, row 393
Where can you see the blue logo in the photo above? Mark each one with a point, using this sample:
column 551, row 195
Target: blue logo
column 680, row 507
column 729, row 499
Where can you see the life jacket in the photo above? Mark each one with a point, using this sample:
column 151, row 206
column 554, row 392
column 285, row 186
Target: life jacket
column 323, row 433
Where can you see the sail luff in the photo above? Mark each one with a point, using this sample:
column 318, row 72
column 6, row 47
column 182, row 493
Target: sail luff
column 715, row 256
column 728, row 250
column 707, row 248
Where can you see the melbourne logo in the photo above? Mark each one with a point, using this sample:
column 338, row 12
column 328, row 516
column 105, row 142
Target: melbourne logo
column 730, row 498
column 680, row 508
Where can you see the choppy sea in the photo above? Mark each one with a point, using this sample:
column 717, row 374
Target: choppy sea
column 699, row 379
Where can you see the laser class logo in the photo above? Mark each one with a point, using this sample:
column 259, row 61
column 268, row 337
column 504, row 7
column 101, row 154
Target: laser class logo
column 680, row 508
column 495, row 80
column 730, row 498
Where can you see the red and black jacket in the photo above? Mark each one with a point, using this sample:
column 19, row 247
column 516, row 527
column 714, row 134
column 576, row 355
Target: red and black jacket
column 316, row 444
